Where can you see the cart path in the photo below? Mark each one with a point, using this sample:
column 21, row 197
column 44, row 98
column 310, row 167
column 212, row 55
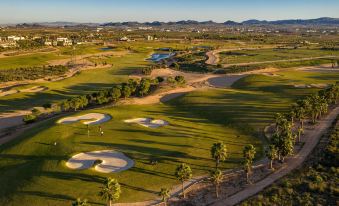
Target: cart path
column 311, row 139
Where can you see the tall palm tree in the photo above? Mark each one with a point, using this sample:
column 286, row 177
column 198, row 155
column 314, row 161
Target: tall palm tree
column 110, row 191
column 300, row 131
column 272, row 154
column 80, row 202
column 218, row 153
column 216, row 178
column 183, row 173
column 249, row 154
column 164, row 194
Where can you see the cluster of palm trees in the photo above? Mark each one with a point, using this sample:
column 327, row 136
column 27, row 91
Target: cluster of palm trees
column 312, row 107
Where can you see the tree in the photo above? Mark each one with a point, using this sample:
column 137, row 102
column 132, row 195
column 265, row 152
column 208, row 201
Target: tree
column 218, row 153
column 300, row 131
column 126, row 91
column 110, row 191
column 30, row 118
column 179, row 79
column 80, row 202
column 115, row 93
column 164, row 194
column 144, row 87
column 249, row 154
column 183, row 173
column 272, row 154
column 216, row 178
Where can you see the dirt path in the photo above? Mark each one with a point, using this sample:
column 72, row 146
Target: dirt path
column 311, row 139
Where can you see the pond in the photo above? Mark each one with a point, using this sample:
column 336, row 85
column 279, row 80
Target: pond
column 106, row 48
column 156, row 57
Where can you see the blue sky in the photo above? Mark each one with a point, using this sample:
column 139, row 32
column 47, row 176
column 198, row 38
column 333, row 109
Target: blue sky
column 14, row 11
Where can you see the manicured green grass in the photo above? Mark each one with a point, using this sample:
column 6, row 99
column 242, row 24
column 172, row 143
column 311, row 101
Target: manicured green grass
column 28, row 60
column 247, row 56
column 236, row 116
column 46, row 180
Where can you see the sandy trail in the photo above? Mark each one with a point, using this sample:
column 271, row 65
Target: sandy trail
column 112, row 161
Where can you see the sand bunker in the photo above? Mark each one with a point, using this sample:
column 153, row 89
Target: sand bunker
column 148, row 122
column 110, row 161
column 320, row 86
column 93, row 118
column 35, row 89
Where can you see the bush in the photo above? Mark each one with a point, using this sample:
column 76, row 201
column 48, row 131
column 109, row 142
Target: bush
column 29, row 118
column 160, row 79
column 31, row 73
column 180, row 79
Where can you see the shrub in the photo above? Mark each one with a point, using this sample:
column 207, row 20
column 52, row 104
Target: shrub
column 180, row 79
column 29, row 118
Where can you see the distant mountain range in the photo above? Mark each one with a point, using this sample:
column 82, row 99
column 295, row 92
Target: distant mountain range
column 324, row 21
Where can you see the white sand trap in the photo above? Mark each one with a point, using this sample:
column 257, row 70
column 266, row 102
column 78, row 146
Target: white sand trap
column 321, row 86
column 34, row 89
column 93, row 118
column 148, row 122
column 112, row 161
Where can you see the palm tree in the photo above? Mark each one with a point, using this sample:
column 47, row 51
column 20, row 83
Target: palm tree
column 110, row 191
column 300, row 131
column 80, row 202
column 216, row 178
column 164, row 194
column 218, row 153
column 249, row 154
column 183, row 173
column 272, row 154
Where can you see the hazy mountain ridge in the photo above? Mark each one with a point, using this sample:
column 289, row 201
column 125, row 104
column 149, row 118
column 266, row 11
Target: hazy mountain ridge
column 315, row 22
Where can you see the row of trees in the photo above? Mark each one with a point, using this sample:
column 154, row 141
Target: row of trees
column 312, row 107
column 112, row 95
column 125, row 90
column 31, row 73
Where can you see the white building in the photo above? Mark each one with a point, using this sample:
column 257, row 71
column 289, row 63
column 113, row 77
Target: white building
column 62, row 41
column 125, row 38
column 150, row 38
column 8, row 44
column 15, row 38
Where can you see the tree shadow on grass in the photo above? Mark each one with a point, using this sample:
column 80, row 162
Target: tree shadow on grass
column 74, row 176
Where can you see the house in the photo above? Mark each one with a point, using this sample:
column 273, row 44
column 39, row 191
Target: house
column 62, row 41
column 125, row 38
column 48, row 43
column 150, row 38
column 8, row 44
column 15, row 38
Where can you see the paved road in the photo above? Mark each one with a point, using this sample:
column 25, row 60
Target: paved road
column 311, row 139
